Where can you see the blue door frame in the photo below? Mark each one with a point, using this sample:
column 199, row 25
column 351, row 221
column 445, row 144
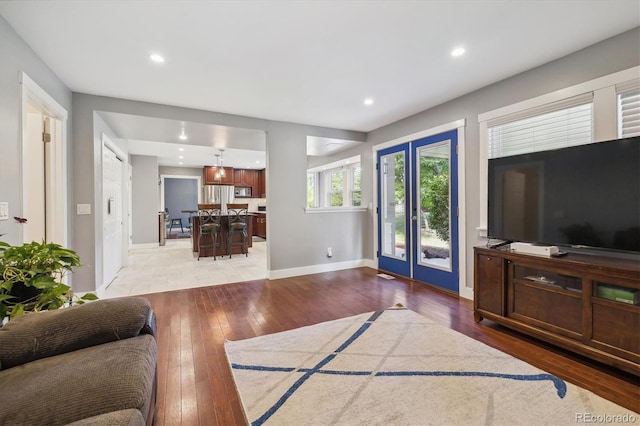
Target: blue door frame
column 412, row 264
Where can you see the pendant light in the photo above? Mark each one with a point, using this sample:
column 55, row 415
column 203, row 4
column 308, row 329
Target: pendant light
column 221, row 168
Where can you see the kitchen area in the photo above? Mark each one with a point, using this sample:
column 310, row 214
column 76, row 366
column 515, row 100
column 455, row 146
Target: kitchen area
column 232, row 187
column 217, row 184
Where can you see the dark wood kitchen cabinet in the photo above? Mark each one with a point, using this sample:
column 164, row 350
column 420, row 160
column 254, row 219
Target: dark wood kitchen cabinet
column 584, row 303
column 261, row 191
column 210, row 178
column 260, row 225
column 249, row 178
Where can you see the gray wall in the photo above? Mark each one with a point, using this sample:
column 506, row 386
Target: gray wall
column 612, row 55
column 297, row 238
column 17, row 57
column 145, row 199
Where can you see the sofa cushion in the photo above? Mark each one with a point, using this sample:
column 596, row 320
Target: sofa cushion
column 49, row 333
column 69, row 387
column 115, row 418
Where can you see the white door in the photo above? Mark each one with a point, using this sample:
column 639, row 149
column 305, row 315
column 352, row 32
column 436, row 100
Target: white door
column 35, row 197
column 112, row 215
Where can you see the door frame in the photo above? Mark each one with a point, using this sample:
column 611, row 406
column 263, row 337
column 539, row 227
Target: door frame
column 198, row 179
column 465, row 287
column 107, row 143
column 57, row 216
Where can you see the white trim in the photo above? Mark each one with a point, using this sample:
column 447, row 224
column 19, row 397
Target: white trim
column 559, row 95
column 483, row 175
column 317, row 269
column 334, row 209
column 464, row 290
column 32, row 93
column 42, row 99
column 335, row 164
column 163, row 177
column 122, row 156
column 418, row 135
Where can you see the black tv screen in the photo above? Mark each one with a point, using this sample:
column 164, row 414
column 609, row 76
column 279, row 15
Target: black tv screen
column 586, row 195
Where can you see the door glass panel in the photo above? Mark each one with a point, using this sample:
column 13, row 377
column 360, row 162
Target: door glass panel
column 434, row 219
column 393, row 215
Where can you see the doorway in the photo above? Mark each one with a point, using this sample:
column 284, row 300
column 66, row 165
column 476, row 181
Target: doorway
column 44, row 166
column 180, row 197
column 418, row 210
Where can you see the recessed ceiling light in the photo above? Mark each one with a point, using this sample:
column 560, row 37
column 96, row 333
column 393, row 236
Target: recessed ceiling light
column 368, row 101
column 458, row 51
column 157, row 58
column 180, row 149
column 181, row 163
column 183, row 136
column 181, row 157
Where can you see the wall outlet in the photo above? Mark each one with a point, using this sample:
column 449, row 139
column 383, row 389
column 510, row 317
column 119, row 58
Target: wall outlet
column 329, row 252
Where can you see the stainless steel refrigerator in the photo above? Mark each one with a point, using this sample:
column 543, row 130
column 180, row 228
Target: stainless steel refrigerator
column 219, row 194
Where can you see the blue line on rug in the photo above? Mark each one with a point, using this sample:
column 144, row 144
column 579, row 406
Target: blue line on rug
column 355, row 335
column 315, row 369
column 260, row 368
column 560, row 385
column 374, row 316
column 291, row 390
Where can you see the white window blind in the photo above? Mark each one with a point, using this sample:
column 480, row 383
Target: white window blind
column 628, row 110
column 543, row 129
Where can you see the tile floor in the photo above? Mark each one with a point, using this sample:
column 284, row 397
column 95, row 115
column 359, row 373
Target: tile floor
column 173, row 267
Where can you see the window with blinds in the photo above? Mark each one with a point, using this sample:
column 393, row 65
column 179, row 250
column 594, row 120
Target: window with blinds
column 543, row 129
column 628, row 112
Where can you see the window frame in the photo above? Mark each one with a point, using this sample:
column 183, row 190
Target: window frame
column 322, row 186
column 628, row 89
column 605, row 120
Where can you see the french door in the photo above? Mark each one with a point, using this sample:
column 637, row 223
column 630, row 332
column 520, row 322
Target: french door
column 417, row 214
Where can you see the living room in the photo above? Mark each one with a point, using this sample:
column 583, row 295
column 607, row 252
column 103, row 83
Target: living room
column 617, row 52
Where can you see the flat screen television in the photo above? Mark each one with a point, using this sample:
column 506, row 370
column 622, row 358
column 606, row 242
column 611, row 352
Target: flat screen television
column 585, row 196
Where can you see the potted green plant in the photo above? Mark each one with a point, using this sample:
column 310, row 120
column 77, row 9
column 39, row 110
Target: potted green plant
column 31, row 278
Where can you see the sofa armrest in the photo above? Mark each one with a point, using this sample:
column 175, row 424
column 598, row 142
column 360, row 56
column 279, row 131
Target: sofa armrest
column 49, row 333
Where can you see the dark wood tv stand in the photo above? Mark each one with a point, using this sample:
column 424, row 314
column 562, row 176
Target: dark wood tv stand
column 565, row 301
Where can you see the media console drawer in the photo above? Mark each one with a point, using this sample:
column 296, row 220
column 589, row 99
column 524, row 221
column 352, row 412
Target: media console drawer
column 617, row 326
column 550, row 309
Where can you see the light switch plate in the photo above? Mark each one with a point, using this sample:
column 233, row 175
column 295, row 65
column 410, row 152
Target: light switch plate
column 83, row 209
column 4, row 210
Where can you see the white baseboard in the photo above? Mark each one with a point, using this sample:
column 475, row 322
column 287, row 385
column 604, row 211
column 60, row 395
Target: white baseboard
column 316, row 269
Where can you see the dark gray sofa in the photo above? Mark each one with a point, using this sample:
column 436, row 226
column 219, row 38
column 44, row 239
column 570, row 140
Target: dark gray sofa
column 91, row 364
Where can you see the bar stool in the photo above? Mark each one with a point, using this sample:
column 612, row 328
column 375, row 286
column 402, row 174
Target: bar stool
column 209, row 227
column 237, row 215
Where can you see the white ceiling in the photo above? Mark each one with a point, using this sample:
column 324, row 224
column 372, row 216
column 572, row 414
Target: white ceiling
column 311, row 62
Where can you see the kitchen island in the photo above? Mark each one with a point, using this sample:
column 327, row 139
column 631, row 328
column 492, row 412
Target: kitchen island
column 221, row 250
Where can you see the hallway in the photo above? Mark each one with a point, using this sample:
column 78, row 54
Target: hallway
column 173, row 267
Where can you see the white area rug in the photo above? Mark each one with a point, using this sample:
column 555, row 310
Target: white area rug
column 396, row 367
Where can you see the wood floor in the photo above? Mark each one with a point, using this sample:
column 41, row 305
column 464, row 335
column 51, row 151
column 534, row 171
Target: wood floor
column 195, row 386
